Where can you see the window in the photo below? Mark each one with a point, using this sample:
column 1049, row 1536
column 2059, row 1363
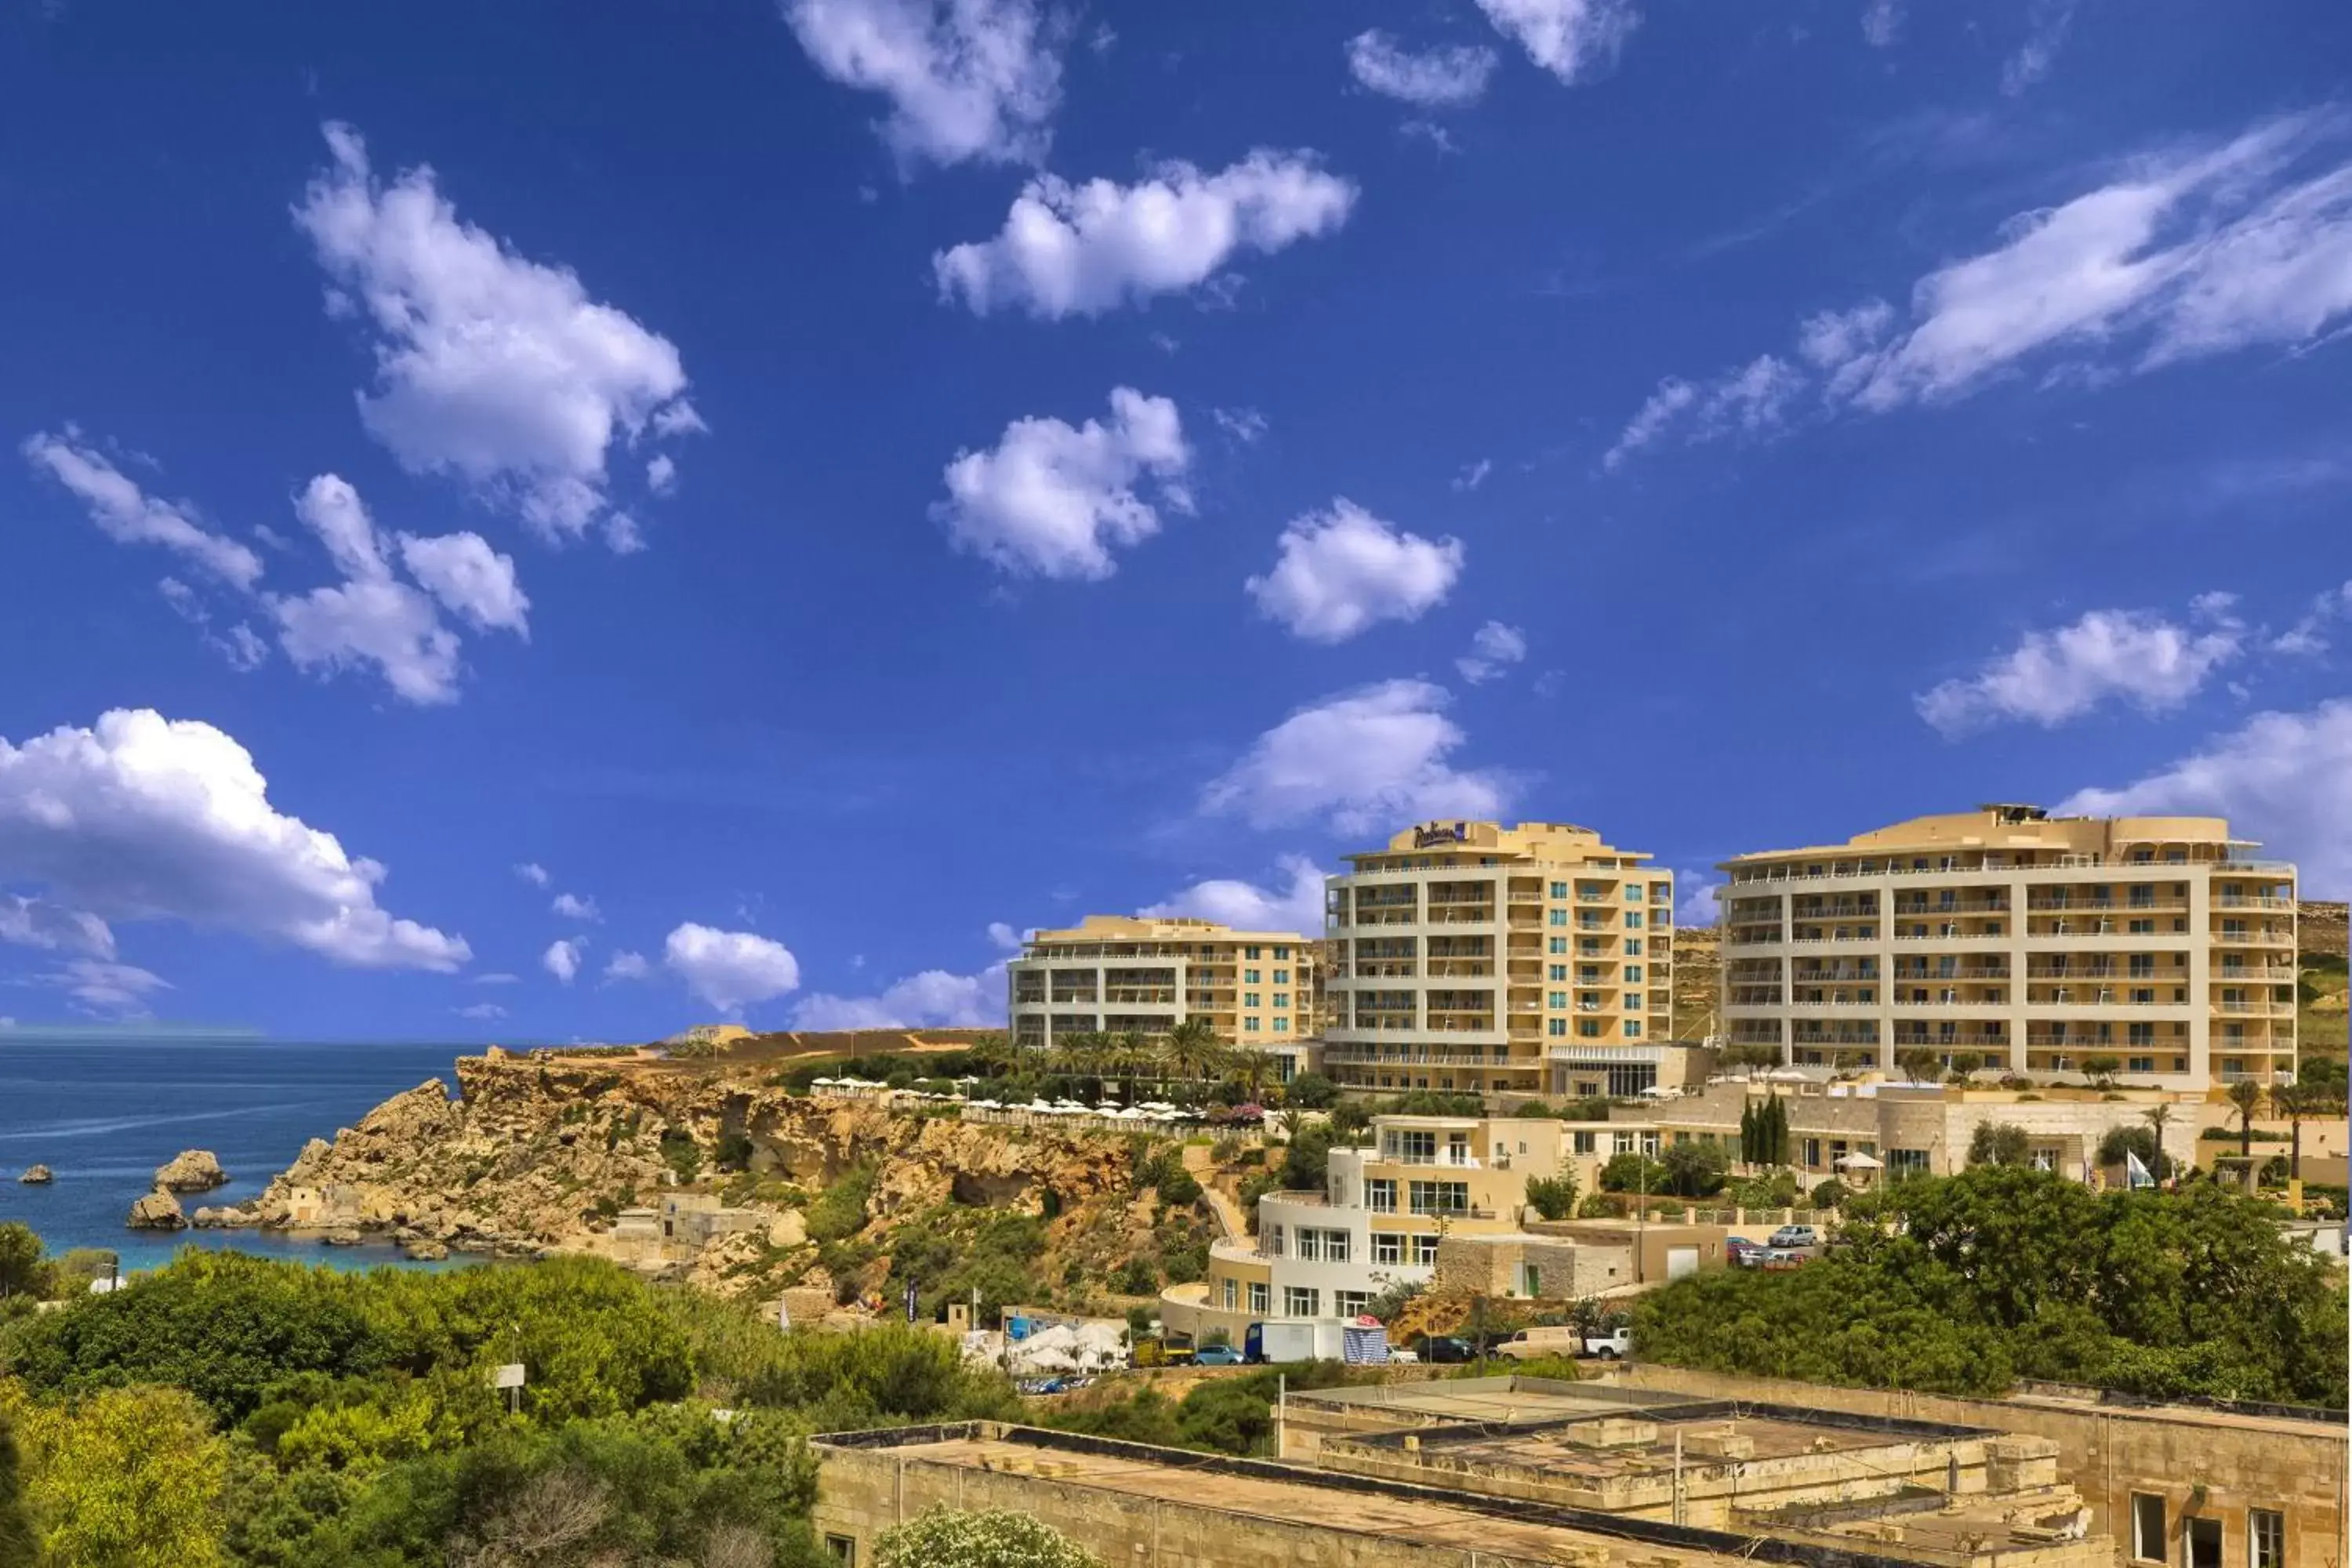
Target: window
column 1301, row 1302
column 1380, row 1196
column 1274, row 1241
column 1437, row 1197
column 1233, row 1293
column 1583, row 1143
column 1250, row 999
column 1633, row 1001
column 1632, row 1028
column 1282, row 1026
column 1335, row 1246
column 1556, row 1028
column 1280, row 953
column 1281, row 999
column 1662, row 892
column 1350, row 1303
column 1560, row 889
column 843, row 1549
column 2148, row 1528
column 2265, row 1539
column 1310, row 1245
column 1424, row 1249
column 1249, row 1024
column 1813, row 1151
column 1557, row 972
column 1587, row 1028
column 2142, row 928
column 1632, row 920
column 2141, row 1064
column 1559, row 917
column 1388, row 1246
column 1558, row 945
column 1415, row 1145
column 1249, row 976
column 1556, row 999
column 1633, row 974
column 1258, row 1294
column 1632, row 947
column 1250, row 953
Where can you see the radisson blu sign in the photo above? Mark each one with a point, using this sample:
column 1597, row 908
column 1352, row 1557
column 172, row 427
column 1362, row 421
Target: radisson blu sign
column 1440, row 833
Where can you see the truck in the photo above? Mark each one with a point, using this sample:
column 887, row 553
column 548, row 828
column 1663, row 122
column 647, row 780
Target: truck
column 1615, row 1345
column 1313, row 1339
column 1528, row 1343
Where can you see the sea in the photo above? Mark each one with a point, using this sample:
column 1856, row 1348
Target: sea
column 103, row 1111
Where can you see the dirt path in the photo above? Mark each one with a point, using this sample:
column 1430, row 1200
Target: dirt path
column 1200, row 1160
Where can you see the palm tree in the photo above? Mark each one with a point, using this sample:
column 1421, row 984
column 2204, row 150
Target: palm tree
column 1249, row 1069
column 2158, row 1117
column 2294, row 1102
column 1194, row 1050
column 2246, row 1095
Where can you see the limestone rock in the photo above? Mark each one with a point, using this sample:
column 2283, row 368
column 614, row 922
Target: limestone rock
column 191, row 1171
column 342, row 1238
column 37, row 1177
column 425, row 1251
column 159, row 1210
column 787, row 1229
column 227, row 1217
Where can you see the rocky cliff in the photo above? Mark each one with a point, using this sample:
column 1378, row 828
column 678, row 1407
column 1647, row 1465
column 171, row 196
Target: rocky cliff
column 705, row 1174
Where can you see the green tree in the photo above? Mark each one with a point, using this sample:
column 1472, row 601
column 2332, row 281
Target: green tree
column 2295, row 1101
column 2120, row 1142
column 24, row 1271
column 1998, row 1143
column 129, row 1478
column 1194, row 1050
column 1310, row 1091
column 1306, row 1164
column 19, row 1547
column 1633, row 1172
column 944, row 1538
column 2101, row 1070
column 1554, row 1197
column 1694, row 1169
column 2245, row 1098
column 1920, row 1064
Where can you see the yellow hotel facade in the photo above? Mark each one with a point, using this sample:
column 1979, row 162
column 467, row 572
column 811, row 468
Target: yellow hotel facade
column 1144, row 975
column 1480, row 958
column 2035, row 942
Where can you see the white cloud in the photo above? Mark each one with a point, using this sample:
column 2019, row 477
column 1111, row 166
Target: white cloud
column 531, row 871
column 128, row 515
column 1292, row 903
column 37, row 922
column 562, row 958
column 498, row 979
column 1494, row 647
column 491, row 367
column 1004, row 936
column 1439, row 78
column 730, row 969
column 966, row 79
column 1051, row 502
column 139, row 818
column 472, row 580
column 1368, row 760
column 2282, row 778
column 371, row 617
column 661, row 474
column 1880, row 20
column 573, row 906
column 1568, row 37
column 1341, row 571
column 2047, row 24
column 1665, row 406
column 103, row 988
column 1247, row 425
column 2185, row 254
column 932, row 999
column 1698, row 895
column 240, row 644
column 2308, row 636
column 2052, row 677
column 481, row 1011
column 1472, row 475
column 1070, row 250
column 627, row 966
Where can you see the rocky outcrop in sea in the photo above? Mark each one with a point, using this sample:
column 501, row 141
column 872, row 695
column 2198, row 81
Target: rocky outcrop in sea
column 159, row 1210
column 191, row 1171
column 37, row 1177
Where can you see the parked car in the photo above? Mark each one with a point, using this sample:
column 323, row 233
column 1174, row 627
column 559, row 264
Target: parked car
column 1796, row 1235
column 1217, row 1356
column 1742, row 1253
column 1444, row 1348
column 1614, row 1346
column 1540, row 1342
column 1404, row 1358
column 1781, row 1257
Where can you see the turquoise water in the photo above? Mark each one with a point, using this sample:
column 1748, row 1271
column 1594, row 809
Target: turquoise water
column 102, row 1114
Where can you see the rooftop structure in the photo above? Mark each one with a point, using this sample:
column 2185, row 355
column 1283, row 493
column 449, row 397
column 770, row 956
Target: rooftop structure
column 1480, row 958
column 2033, row 943
column 1146, row 975
column 1155, row 1508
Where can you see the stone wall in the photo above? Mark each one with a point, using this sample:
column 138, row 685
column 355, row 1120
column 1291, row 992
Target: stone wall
column 2213, row 1466
column 1565, row 1270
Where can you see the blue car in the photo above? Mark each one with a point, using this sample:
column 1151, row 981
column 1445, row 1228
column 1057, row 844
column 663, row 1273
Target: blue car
column 1217, row 1356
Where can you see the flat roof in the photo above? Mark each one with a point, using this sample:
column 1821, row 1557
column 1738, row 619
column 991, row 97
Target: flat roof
column 1511, row 1399
column 1355, row 1505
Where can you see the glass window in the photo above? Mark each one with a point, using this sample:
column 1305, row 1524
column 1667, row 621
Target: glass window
column 1438, row 1197
column 1274, row 1241
column 1250, row 999
column 1280, row 953
column 1633, row 974
column 1632, row 1028
column 1380, row 1194
column 1556, row 1028
column 1250, row 951
column 1282, row 977
column 1560, row 889
column 1249, row 977
column 1388, row 1246
column 1559, row 917
column 1335, row 1246
column 1282, row 1026
column 843, row 1549
column 1282, row 999
column 1558, row 945
column 1557, row 972
column 1310, row 1245
column 1258, row 1296
column 1632, row 947
column 1424, row 1251
column 1249, row 1024
column 2148, row 1528
column 1633, row 1001
column 1232, row 1294
column 2266, row 1538
column 1301, row 1302
column 1583, row 1144
column 1632, row 920
column 1556, row 999
column 1350, row 1303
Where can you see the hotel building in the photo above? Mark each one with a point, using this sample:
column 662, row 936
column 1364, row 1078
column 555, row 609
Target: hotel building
column 1478, row 958
column 2034, row 942
column 1121, row 974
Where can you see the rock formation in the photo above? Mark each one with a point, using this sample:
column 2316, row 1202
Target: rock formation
column 553, row 1154
column 37, row 1177
column 191, row 1171
column 159, row 1210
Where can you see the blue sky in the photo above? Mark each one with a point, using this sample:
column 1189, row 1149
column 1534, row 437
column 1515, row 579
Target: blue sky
column 534, row 526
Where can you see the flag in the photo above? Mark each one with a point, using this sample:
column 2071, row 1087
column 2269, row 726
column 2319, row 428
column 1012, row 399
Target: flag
column 2134, row 1172
column 783, row 1313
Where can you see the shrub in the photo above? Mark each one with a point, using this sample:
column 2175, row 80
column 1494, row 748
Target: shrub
column 942, row 1539
column 1554, row 1197
column 681, row 1153
column 1830, row 1195
column 1310, row 1091
column 839, row 1211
